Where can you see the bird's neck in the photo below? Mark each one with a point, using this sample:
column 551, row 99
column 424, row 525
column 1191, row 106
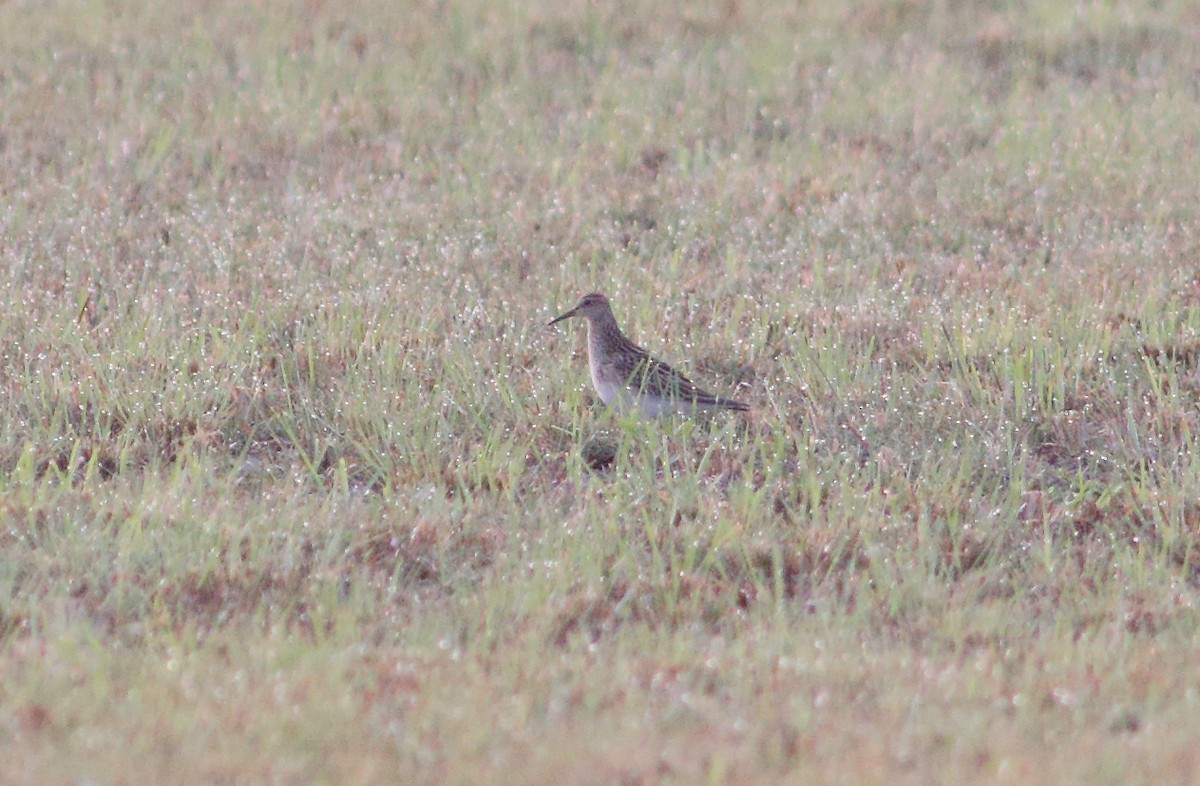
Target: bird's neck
column 603, row 331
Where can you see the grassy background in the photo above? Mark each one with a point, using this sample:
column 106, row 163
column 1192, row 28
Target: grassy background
column 294, row 483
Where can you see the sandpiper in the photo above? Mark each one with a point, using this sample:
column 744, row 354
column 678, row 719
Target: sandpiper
column 626, row 377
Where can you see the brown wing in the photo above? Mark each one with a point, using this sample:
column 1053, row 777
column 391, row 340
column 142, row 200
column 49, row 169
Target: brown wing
column 651, row 374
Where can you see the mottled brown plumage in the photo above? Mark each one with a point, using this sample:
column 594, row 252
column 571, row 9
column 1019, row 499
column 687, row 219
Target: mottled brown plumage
column 626, row 377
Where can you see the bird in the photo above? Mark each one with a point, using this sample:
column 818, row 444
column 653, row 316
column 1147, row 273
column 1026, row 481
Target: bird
column 627, row 378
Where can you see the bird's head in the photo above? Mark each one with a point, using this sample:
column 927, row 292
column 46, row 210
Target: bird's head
column 589, row 306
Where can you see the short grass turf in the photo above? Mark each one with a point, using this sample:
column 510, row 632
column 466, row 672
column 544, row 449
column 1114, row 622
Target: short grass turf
column 295, row 487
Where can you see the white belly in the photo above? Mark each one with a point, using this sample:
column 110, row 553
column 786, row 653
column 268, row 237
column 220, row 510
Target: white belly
column 623, row 400
column 653, row 406
column 607, row 390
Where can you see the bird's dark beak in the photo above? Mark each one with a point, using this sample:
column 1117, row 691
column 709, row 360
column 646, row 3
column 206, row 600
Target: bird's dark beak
column 558, row 319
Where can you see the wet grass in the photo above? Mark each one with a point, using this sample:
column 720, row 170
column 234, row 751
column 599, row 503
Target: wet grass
column 296, row 487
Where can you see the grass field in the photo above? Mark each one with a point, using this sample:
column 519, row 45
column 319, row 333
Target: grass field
column 296, row 487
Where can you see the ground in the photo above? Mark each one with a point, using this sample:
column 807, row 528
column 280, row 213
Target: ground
column 297, row 488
